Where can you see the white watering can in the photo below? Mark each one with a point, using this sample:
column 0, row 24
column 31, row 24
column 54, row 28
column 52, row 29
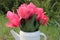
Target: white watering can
column 28, row 35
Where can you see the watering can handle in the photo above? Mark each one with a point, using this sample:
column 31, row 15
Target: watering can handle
column 45, row 38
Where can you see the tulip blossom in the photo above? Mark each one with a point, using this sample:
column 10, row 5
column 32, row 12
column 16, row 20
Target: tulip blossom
column 13, row 19
column 39, row 13
column 44, row 20
column 31, row 7
column 41, row 17
column 23, row 12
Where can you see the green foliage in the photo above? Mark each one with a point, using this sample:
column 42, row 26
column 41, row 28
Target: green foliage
column 31, row 25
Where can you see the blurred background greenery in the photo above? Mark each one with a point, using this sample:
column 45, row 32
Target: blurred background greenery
column 51, row 7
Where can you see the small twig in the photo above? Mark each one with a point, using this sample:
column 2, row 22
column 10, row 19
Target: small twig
column 57, row 23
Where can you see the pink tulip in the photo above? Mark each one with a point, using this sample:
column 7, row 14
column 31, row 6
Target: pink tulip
column 11, row 25
column 40, row 13
column 31, row 7
column 44, row 20
column 23, row 5
column 13, row 18
column 23, row 12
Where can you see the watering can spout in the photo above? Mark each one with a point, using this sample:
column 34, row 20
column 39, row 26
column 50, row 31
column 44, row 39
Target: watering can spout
column 15, row 35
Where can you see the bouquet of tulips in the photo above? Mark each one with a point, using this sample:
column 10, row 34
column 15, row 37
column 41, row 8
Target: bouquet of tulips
column 28, row 17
